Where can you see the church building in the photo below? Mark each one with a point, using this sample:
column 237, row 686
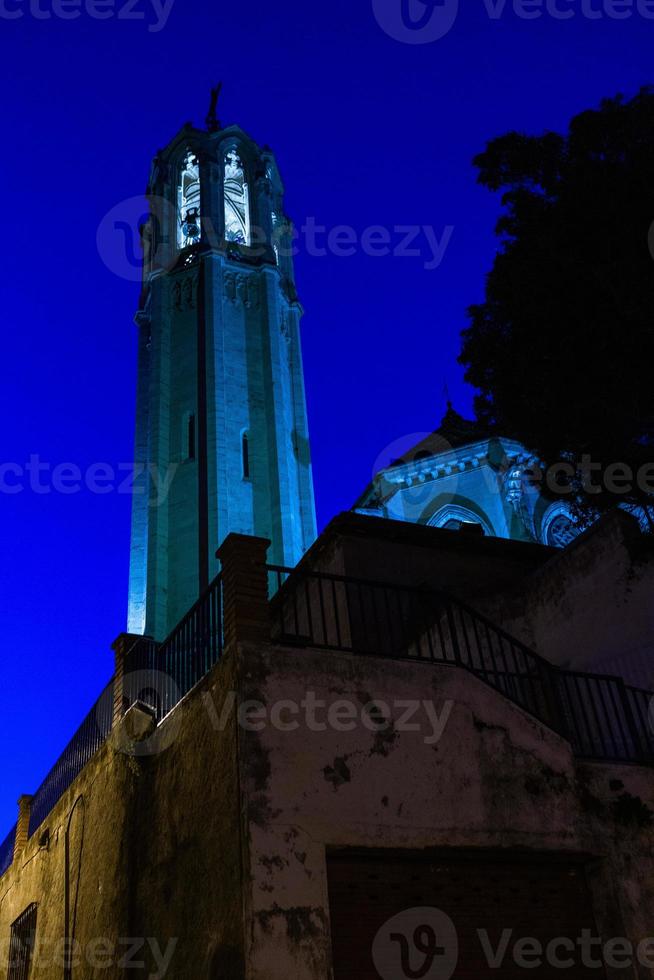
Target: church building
column 462, row 478
column 387, row 752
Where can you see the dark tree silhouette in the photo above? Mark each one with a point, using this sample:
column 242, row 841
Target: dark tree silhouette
column 562, row 349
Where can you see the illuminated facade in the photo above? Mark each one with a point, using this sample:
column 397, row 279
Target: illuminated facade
column 222, row 440
column 460, row 478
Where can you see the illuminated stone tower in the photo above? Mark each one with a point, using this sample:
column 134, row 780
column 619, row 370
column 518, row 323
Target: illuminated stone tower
column 221, row 411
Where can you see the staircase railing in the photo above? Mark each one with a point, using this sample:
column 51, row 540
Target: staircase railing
column 158, row 674
column 601, row 716
column 161, row 674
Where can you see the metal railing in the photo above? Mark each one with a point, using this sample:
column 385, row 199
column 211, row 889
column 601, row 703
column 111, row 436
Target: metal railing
column 157, row 674
column 160, row 675
column 7, row 850
column 89, row 737
column 601, row 716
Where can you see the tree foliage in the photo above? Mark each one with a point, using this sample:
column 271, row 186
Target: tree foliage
column 562, row 349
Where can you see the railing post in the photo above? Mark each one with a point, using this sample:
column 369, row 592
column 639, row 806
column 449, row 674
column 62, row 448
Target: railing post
column 454, row 635
column 640, row 753
column 121, row 647
column 551, row 680
column 246, row 612
column 23, row 825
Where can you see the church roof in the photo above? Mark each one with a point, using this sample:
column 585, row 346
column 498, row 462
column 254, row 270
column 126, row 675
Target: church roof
column 454, row 431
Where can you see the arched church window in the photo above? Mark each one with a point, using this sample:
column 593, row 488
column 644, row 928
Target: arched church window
column 454, row 517
column 188, row 202
column 237, row 201
column 456, row 525
column 558, row 527
column 561, row 532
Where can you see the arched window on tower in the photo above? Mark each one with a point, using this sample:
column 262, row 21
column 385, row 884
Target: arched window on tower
column 237, row 201
column 276, row 231
column 188, row 202
column 559, row 527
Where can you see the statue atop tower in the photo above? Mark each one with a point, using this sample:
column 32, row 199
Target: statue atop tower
column 212, row 121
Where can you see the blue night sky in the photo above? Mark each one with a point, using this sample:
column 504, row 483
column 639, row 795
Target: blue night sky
column 367, row 131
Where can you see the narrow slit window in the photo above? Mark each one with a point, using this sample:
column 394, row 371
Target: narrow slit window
column 275, row 235
column 191, row 437
column 245, row 453
column 21, row 946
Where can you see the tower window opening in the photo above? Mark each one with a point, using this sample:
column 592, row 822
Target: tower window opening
column 188, row 202
column 276, row 231
column 237, row 201
column 245, row 455
column 191, row 438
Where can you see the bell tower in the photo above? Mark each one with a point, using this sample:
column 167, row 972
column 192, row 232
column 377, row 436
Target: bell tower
column 222, row 440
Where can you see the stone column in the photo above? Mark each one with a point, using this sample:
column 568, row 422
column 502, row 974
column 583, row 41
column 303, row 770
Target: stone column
column 212, row 207
column 246, row 613
column 23, row 825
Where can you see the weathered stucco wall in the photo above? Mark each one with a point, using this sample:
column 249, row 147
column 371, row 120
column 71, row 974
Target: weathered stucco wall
column 590, row 607
column 496, row 779
column 154, row 855
column 98, row 827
